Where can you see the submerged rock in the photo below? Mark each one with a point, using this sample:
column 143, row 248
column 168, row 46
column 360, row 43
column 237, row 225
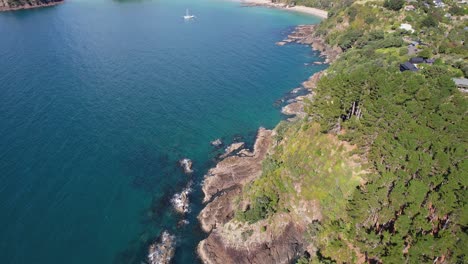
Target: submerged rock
column 162, row 252
column 296, row 90
column 216, row 143
column 181, row 201
column 182, row 223
column 186, row 164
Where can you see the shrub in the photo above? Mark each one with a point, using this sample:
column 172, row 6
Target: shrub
column 425, row 53
column 457, row 11
column 259, row 210
column 394, row 4
column 348, row 39
column 429, row 21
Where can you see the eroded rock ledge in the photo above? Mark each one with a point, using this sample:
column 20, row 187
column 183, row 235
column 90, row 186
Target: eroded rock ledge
column 284, row 248
column 236, row 170
column 225, row 181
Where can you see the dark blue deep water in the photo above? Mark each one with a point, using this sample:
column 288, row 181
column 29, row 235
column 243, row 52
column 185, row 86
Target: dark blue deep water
column 98, row 101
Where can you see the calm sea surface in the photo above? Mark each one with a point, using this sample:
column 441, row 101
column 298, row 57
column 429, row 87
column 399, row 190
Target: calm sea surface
column 98, row 101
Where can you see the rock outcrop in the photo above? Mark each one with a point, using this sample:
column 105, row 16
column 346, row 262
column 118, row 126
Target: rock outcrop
column 236, row 171
column 283, row 248
column 180, row 201
column 312, row 82
column 305, row 34
column 10, row 5
column 296, row 107
column 162, row 252
column 186, row 165
column 216, row 143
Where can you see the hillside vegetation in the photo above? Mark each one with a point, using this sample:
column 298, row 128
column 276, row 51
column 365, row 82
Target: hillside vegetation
column 408, row 129
column 305, row 165
column 322, row 4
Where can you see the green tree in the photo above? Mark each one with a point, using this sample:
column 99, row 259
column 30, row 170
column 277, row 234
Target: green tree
column 425, row 53
column 429, row 21
column 394, row 4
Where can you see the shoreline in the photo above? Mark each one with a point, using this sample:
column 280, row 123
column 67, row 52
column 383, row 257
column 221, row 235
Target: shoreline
column 299, row 9
column 25, row 7
column 282, row 242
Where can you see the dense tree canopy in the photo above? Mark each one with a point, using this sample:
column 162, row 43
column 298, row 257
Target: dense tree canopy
column 412, row 128
column 410, row 131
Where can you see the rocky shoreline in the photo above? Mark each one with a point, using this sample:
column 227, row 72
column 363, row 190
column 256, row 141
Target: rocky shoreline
column 6, row 6
column 280, row 239
column 226, row 180
column 305, row 34
column 276, row 240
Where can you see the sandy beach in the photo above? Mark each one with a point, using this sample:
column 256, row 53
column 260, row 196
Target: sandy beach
column 302, row 9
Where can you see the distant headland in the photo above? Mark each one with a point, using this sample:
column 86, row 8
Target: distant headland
column 11, row 5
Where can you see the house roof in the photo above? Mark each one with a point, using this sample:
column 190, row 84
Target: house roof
column 417, row 60
column 408, row 66
column 430, row 61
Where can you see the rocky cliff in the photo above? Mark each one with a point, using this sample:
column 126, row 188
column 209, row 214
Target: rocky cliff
column 234, row 242
column 7, row 5
column 277, row 239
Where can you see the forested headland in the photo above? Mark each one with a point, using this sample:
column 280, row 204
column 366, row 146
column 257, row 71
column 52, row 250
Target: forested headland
column 395, row 189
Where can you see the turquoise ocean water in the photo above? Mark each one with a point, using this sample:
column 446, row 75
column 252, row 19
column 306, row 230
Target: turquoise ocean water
column 98, row 101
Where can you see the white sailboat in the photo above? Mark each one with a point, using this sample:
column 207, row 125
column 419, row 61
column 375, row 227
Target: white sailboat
column 188, row 16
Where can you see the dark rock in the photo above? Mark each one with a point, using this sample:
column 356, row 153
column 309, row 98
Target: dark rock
column 216, row 143
column 181, row 201
column 162, row 252
column 186, row 164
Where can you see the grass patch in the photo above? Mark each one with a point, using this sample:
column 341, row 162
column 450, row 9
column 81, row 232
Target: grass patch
column 305, row 165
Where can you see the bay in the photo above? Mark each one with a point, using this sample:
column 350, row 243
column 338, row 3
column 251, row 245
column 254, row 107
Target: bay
column 100, row 99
